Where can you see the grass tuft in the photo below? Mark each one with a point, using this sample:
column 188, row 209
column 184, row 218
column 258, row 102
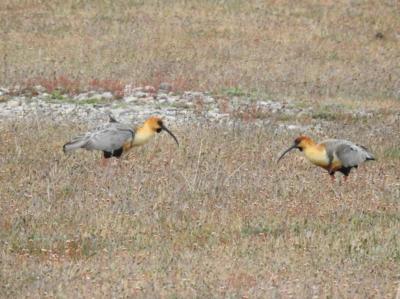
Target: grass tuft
column 215, row 218
column 299, row 50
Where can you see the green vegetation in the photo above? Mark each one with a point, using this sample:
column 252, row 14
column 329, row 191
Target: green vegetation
column 392, row 153
column 235, row 91
column 56, row 95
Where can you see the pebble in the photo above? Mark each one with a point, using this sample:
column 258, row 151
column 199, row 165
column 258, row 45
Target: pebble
column 107, row 95
column 140, row 94
column 139, row 103
column 130, row 99
column 164, row 87
column 162, row 96
column 13, row 103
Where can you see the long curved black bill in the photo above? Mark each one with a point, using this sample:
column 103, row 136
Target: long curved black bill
column 170, row 133
column 285, row 152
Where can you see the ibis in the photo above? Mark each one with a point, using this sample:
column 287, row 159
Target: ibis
column 115, row 138
column 332, row 154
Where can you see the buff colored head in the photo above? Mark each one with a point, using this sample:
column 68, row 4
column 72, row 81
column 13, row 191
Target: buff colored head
column 156, row 124
column 300, row 143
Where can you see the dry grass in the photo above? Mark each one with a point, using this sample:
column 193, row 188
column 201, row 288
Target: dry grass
column 215, row 218
column 304, row 49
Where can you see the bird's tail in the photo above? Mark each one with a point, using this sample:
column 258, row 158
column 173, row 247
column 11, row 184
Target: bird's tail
column 369, row 155
column 74, row 144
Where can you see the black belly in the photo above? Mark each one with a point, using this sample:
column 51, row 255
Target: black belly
column 116, row 153
column 346, row 170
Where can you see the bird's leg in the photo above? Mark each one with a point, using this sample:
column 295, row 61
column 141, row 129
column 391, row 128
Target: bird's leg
column 332, row 175
column 106, row 157
column 104, row 162
column 346, row 172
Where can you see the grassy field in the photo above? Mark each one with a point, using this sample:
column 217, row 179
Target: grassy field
column 304, row 49
column 216, row 217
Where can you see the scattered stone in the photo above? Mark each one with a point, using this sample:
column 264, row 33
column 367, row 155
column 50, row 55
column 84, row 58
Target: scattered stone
column 95, row 96
column 141, row 102
column 294, row 127
column 164, row 87
column 171, row 99
column 81, row 97
column 148, row 100
column 4, row 91
column 162, row 96
column 13, row 103
column 107, row 95
column 208, row 100
column 130, row 99
column 140, row 94
column 129, row 90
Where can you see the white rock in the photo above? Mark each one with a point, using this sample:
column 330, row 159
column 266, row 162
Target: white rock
column 130, row 99
column 191, row 95
column 129, row 90
column 13, row 103
column 208, row 100
column 140, row 94
column 44, row 95
column 81, row 97
column 96, row 96
column 4, row 90
column 162, row 96
column 214, row 114
column 148, row 100
column 171, row 99
column 68, row 110
column 17, row 109
column 107, row 95
column 293, row 127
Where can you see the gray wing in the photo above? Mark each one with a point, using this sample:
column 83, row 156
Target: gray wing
column 108, row 137
column 350, row 154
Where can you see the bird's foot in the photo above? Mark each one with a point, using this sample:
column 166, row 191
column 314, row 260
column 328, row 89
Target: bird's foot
column 332, row 178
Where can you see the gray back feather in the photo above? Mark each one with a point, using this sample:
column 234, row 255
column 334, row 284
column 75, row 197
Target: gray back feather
column 349, row 153
column 107, row 137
